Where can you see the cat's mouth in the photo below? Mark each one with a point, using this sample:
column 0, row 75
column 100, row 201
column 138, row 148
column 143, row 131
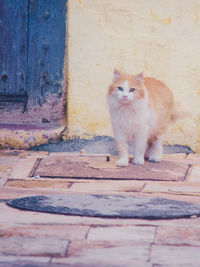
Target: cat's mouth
column 125, row 101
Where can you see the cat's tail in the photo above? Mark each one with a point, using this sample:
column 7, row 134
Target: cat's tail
column 180, row 112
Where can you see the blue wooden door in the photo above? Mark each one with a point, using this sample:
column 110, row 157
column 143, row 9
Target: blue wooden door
column 13, row 50
column 32, row 47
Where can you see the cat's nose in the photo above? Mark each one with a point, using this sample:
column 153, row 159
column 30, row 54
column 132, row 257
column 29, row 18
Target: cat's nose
column 124, row 96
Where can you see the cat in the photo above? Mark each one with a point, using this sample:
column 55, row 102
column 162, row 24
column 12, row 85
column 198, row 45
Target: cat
column 140, row 110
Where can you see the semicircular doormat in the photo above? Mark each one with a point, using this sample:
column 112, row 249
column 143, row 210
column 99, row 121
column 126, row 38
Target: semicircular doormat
column 108, row 206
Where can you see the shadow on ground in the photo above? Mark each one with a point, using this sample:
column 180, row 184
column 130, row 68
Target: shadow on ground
column 99, row 144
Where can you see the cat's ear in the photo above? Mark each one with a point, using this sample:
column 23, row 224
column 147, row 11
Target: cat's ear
column 139, row 77
column 116, row 75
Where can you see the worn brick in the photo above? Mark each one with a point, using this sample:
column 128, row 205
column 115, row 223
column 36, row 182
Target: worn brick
column 38, row 183
column 6, row 167
column 7, row 261
column 185, row 189
column 23, row 167
column 24, row 153
column 10, row 161
column 110, row 255
column 194, row 175
column 172, row 188
column 174, row 156
column 174, row 256
column 33, row 246
column 193, row 156
column 108, row 186
column 121, row 233
column 72, row 232
column 161, row 187
column 193, row 159
column 29, row 262
column 14, row 192
column 178, row 236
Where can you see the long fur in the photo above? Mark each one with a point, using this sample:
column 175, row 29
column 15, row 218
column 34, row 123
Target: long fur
column 141, row 114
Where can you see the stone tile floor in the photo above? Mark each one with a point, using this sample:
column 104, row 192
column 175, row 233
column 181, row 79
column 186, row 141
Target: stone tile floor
column 33, row 239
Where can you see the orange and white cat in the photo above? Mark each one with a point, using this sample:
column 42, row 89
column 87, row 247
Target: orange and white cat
column 140, row 110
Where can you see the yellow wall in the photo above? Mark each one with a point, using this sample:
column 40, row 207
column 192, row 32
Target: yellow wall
column 159, row 37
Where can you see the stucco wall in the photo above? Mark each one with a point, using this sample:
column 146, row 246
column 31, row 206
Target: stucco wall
column 161, row 38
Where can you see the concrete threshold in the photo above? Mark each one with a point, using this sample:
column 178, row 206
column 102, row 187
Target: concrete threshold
column 24, row 136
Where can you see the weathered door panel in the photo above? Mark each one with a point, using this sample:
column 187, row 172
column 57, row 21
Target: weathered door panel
column 32, row 49
column 47, row 28
column 13, row 49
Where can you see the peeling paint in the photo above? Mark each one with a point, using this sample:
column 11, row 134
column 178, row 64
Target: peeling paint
column 51, row 111
column 196, row 11
column 82, row 4
column 164, row 21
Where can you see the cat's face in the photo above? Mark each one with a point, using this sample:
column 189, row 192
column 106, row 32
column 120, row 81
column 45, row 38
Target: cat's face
column 126, row 88
column 124, row 92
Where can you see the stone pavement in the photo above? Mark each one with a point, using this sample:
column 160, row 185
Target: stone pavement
column 34, row 239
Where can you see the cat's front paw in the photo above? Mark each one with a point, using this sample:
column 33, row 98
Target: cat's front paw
column 122, row 162
column 155, row 158
column 138, row 161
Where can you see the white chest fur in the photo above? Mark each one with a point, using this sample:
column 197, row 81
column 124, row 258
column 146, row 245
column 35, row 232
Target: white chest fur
column 127, row 118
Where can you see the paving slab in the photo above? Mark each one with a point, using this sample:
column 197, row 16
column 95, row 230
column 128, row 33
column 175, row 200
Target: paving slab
column 25, row 163
column 23, row 261
column 66, row 231
column 33, row 246
column 181, row 188
column 28, row 264
column 195, row 174
column 140, row 234
column 106, row 186
column 175, row 156
column 193, row 156
column 179, row 236
column 109, row 254
column 74, row 185
column 6, row 166
column 7, row 192
column 175, row 256
column 38, row 183
column 5, row 160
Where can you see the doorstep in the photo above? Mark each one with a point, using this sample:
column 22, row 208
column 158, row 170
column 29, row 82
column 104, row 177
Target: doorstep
column 24, row 136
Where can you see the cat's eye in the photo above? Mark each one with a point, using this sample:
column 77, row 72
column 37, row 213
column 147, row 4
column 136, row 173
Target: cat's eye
column 132, row 90
column 120, row 88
